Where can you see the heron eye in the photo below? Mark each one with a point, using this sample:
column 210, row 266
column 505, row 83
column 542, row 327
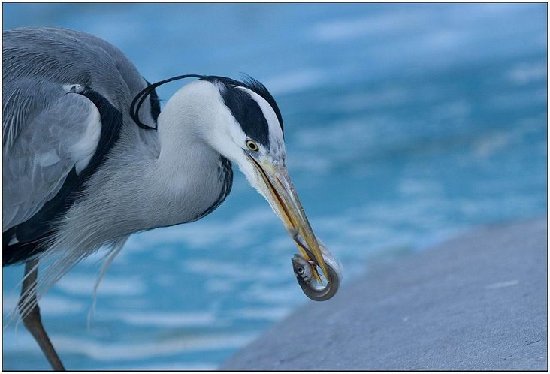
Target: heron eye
column 252, row 146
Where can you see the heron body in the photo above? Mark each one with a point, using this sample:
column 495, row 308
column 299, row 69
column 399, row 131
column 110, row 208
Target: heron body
column 83, row 170
column 66, row 99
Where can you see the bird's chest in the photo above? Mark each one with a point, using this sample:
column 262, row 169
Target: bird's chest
column 197, row 191
column 120, row 204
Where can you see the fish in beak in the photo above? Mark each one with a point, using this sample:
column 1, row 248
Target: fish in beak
column 274, row 183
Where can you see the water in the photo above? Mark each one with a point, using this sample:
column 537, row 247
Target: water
column 405, row 124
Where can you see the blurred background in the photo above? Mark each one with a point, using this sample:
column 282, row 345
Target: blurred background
column 405, row 124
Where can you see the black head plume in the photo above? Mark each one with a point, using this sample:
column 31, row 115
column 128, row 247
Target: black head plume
column 248, row 82
column 139, row 99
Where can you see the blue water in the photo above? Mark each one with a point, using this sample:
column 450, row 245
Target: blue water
column 405, row 124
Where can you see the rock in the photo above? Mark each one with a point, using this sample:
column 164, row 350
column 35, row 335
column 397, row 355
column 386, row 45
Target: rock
column 477, row 302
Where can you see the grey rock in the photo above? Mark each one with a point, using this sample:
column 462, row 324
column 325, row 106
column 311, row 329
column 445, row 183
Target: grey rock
column 477, row 302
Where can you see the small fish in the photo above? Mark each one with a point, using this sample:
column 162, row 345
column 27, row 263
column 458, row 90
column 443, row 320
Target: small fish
column 308, row 278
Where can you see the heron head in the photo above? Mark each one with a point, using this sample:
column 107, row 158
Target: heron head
column 251, row 135
column 242, row 122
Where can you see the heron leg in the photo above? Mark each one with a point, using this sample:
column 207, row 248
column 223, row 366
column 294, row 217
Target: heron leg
column 32, row 320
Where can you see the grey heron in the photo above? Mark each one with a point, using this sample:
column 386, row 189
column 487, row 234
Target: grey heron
column 90, row 158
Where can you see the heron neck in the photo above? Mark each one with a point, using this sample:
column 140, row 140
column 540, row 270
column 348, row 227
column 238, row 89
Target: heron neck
column 150, row 182
column 186, row 175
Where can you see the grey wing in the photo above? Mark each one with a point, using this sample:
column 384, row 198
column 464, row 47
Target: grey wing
column 48, row 129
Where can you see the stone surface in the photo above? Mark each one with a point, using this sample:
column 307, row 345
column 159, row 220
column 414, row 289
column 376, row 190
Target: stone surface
column 477, row 302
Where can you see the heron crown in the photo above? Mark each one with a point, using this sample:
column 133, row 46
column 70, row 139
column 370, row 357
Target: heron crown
column 244, row 108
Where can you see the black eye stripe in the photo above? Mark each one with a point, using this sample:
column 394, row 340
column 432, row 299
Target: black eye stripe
column 253, row 85
column 261, row 90
column 248, row 114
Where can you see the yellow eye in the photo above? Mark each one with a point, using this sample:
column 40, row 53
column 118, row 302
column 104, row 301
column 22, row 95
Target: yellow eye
column 252, row 146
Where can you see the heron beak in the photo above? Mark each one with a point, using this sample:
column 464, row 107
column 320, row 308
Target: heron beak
column 279, row 191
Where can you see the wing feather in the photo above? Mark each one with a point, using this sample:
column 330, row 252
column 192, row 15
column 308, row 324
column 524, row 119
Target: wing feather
column 47, row 132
